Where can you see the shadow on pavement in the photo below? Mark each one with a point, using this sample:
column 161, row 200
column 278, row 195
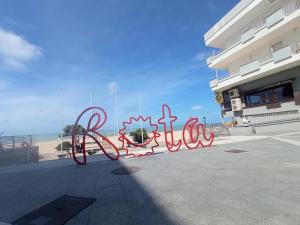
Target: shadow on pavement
column 121, row 199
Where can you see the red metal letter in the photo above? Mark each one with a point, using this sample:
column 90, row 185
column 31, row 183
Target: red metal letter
column 90, row 132
column 125, row 140
column 171, row 146
column 194, row 130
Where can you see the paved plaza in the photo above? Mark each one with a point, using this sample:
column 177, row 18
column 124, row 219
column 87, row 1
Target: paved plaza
column 258, row 183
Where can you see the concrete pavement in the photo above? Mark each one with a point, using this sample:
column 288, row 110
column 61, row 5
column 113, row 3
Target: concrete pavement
column 202, row 187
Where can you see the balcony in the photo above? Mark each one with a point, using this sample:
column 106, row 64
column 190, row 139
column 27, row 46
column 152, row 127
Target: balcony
column 262, row 29
column 280, row 60
column 238, row 9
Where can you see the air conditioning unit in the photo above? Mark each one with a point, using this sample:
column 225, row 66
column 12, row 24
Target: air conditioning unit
column 234, row 93
column 236, row 104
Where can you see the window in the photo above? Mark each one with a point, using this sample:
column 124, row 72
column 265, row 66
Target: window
column 275, row 94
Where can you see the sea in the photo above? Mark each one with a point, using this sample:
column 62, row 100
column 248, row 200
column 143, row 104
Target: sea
column 55, row 136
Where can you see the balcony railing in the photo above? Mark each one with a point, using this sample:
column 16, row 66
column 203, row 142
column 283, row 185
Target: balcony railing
column 282, row 54
column 228, row 17
column 213, row 83
column 275, row 18
column 250, row 67
column 270, row 21
column 248, row 35
column 291, row 7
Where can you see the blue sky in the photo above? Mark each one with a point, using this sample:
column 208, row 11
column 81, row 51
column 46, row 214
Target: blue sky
column 154, row 47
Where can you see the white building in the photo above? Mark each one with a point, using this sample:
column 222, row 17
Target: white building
column 258, row 44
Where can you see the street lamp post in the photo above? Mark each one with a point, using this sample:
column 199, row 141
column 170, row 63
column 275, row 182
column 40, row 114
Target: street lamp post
column 62, row 121
column 204, row 121
column 92, row 112
column 141, row 119
column 117, row 116
column 130, row 115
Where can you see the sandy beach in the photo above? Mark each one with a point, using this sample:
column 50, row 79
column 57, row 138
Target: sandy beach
column 47, row 149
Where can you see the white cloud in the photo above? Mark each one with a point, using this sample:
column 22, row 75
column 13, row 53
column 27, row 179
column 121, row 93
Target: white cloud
column 112, row 87
column 26, row 99
column 15, row 23
column 3, row 84
column 201, row 56
column 196, row 107
column 15, row 51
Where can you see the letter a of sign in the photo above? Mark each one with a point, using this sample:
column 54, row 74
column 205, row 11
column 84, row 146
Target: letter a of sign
column 166, row 119
column 195, row 130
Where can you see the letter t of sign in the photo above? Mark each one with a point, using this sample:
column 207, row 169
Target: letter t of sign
column 166, row 119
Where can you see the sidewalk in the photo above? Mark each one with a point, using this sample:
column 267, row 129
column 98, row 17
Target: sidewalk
column 208, row 186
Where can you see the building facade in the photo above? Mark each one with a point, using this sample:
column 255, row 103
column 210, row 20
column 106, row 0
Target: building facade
column 257, row 61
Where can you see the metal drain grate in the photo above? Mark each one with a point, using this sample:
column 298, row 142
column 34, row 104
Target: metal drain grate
column 125, row 170
column 235, row 151
column 57, row 212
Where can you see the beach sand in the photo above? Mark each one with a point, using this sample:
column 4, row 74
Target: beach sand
column 47, row 149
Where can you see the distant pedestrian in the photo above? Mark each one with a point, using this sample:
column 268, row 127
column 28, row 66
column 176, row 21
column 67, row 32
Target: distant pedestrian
column 246, row 122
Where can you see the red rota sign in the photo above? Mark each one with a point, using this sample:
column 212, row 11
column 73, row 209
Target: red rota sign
column 191, row 135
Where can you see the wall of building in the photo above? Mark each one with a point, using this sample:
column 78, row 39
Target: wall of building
column 261, row 114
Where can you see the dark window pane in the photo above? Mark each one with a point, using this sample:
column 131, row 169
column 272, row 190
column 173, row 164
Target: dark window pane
column 287, row 92
column 227, row 101
column 270, row 95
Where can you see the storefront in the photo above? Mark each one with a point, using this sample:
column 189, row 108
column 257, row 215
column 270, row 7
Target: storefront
column 275, row 97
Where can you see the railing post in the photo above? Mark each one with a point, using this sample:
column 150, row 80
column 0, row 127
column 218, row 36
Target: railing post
column 30, row 140
column 14, row 142
column 27, row 155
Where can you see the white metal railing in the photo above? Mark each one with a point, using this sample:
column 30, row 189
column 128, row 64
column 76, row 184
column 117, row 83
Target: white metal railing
column 221, row 51
column 262, row 25
column 10, row 143
column 291, row 7
column 209, row 60
column 296, row 48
